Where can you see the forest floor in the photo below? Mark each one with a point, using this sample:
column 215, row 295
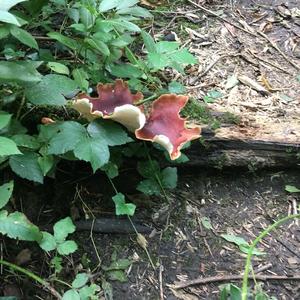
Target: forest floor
column 240, row 71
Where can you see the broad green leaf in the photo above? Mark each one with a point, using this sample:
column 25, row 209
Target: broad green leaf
column 169, row 178
column 166, row 47
column 117, row 275
column 205, row 221
column 63, row 228
column 109, row 132
column 110, row 169
column 126, row 71
column 26, row 166
column 246, row 249
column 67, row 247
column 93, row 150
column 5, row 193
column 58, row 68
column 71, row 295
column 6, row 5
column 126, row 4
column 80, row 280
column 24, row 37
column 149, row 187
column 69, row 134
column 135, row 11
column 123, row 208
column 292, row 189
column 71, row 43
column 122, row 41
column 148, row 41
column 120, row 264
column 9, row 18
column 17, row 226
column 20, row 72
column 46, row 163
column 4, row 31
column 8, row 147
column 87, row 292
column 121, row 25
column 98, row 45
column 27, row 141
column 234, row 239
column 148, row 169
column 81, row 78
column 235, row 292
column 106, row 5
column 175, row 87
column 4, row 119
column 48, row 242
column 184, row 57
column 51, row 90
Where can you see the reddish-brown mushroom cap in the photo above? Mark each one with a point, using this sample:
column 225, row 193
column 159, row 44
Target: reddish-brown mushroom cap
column 165, row 126
column 114, row 101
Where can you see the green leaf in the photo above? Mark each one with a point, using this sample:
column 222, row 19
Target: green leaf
column 175, row 87
column 126, row 71
column 93, row 150
column 69, row 134
column 110, row 169
column 71, row 295
column 6, row 192
column 235, row 292
column 120, row 264
column 157, row 61
column 120, row 25
column 292, row 189
column 169, row 178
column 67, row 247
column 26, row 166
column 4, row 31
column 17, row 226
column 46, row 163
column 87, row 292
column 149, row 187
column 81, row 78
column 72, row 44
column 98, row 45
column 80, row 280
column 9, row 18
column 148, row 41
column 184, row 57
column 123, row 208
column 58, row 68
column 117, row 275
column 56, row 263
column 214, row 94
column 135, row 11
column 6, row 5
column 122, row 41
column 8, row 147
column 205, row 221
column 109, row 132
column 63, row 228
column 4, row 119
column 24, row 37
column 148, row 169
column 232, row 81
column 48, row 242
column 51, row 90
column 126, row 4
column 106, row 5
column 27, row 141
column 166, row 47
column 20, row 72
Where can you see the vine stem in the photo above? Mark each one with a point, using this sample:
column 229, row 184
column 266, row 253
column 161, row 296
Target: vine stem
column 253, row 245
column 33, row 276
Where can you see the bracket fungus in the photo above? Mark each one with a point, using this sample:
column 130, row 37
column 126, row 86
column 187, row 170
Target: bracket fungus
column 114, row 101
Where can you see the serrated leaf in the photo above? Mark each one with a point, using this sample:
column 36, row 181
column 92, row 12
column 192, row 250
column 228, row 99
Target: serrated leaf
column 24, row 37
column 169, row 177
column 67, row 247
column 123, row 208
column 48, row 242
column 20, row 72
column 8, row 147
column 17, row 226
column 58, row 68
column 158, row 61
column 69, row 134
column 71, row 295
column 63, row 228
column 80, row 280
column 292, row 189
column 149, row 187
column 93, row 150
column 87, row 292
column 26, row 166
column 6, row 192
column 51, row 90
column 27, row 141
column 4, row 119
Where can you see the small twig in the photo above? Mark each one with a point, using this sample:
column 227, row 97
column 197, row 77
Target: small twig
column 232, row 278
column 221, row 18
column 263, row 268
column 161, row 290
column 279, row 50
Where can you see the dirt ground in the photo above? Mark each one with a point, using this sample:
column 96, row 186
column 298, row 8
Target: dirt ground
column 235, row 201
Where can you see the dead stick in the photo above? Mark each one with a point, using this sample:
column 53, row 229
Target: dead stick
column 221, row 18
column 231, row 278
column 279, row 50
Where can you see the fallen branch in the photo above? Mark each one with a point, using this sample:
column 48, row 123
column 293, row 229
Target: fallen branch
column 232, row 278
